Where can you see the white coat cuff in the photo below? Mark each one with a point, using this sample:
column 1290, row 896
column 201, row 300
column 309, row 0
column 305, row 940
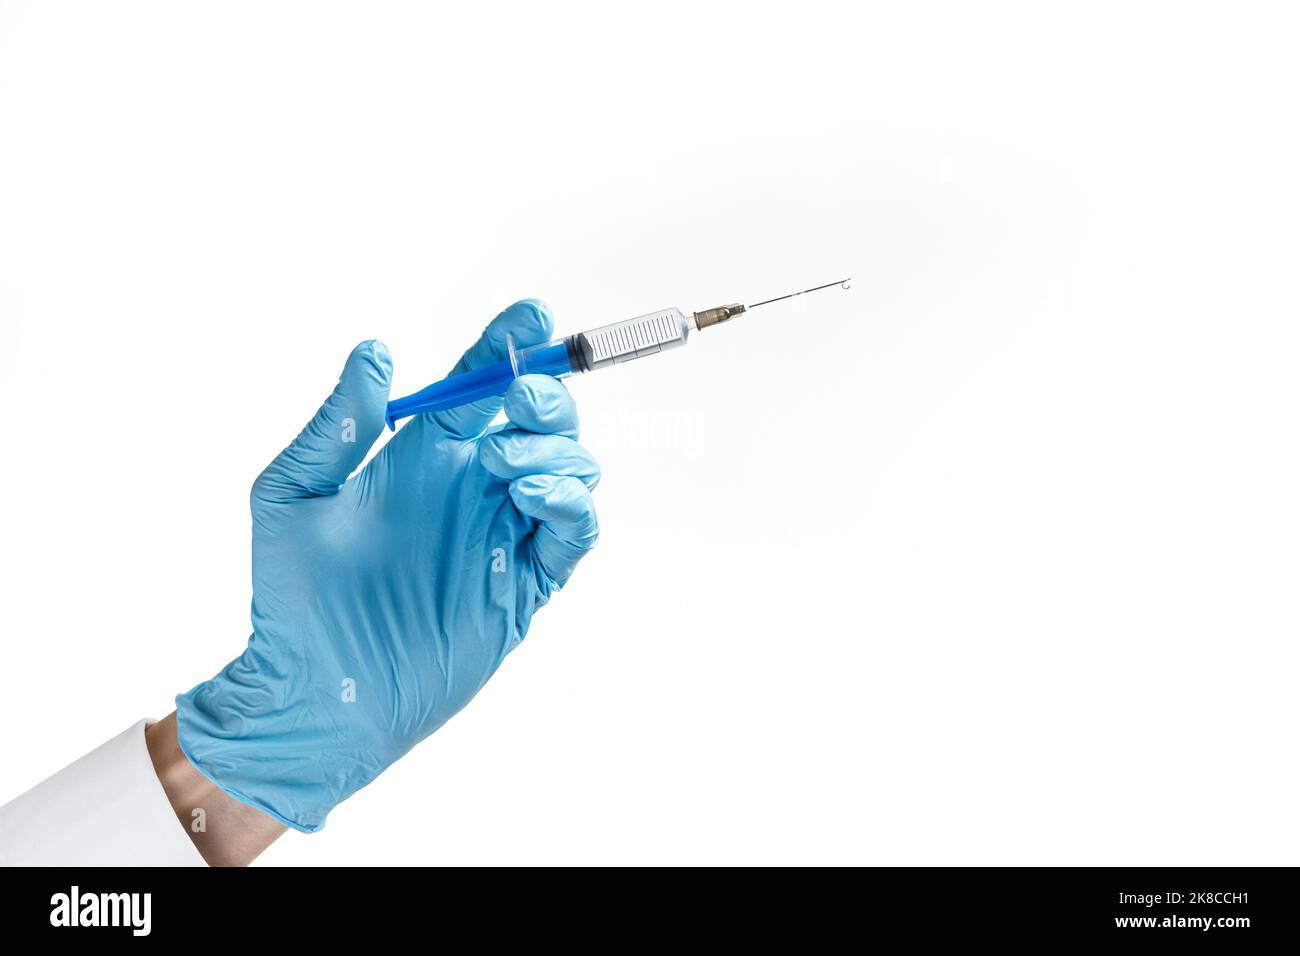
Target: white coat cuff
column 106, row 809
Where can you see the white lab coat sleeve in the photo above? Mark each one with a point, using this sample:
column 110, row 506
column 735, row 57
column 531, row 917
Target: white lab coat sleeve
column 106, row 809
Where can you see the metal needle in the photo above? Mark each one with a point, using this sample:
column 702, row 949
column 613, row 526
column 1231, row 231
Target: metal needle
column 843, row 283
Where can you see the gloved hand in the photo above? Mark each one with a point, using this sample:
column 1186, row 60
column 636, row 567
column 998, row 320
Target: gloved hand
column 383, row 602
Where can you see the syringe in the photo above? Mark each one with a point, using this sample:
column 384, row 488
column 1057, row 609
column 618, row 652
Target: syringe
column 598, row 348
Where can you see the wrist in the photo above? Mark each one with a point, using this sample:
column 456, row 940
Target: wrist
column 293, row 742
column 225, row 831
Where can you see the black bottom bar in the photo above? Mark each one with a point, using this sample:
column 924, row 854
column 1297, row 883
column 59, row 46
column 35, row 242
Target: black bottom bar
column 1227, row 907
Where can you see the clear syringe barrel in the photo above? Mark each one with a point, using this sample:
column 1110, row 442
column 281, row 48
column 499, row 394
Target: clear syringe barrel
column 608, row 345
column 631, row 339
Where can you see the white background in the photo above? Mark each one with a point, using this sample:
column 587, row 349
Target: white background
column 991, row 559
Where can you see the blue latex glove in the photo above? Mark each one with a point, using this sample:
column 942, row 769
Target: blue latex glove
column 383, row 602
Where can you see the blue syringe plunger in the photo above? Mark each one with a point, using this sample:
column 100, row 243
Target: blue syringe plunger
column 549, row 358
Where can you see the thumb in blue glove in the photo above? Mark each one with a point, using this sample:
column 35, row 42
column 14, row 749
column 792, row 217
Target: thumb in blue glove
column 382, row 602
